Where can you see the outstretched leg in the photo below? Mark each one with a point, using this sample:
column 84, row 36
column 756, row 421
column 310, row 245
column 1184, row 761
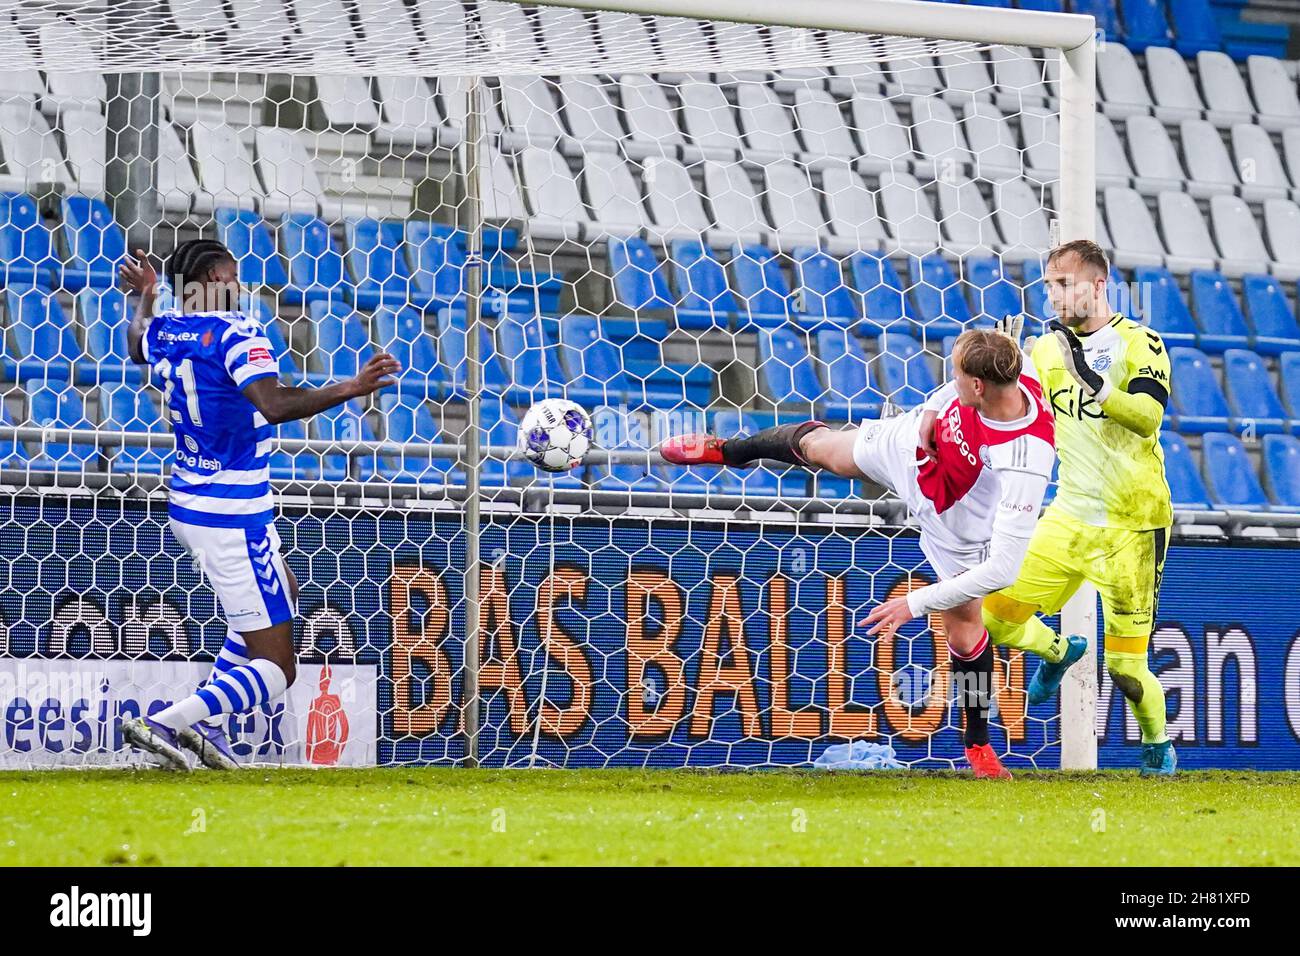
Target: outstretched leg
column 810, row 444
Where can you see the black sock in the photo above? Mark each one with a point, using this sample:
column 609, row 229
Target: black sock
column 780, row 444
column 973, row 680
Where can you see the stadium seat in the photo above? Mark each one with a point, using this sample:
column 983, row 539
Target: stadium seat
column 342, row 344
column 347, row 423
column 1123, row 89
column 1018, row 212
column 1274, row 93
column 762, row 293
column 1037, row 303
column 96, row 242
column 786, row 370
column 674, row 202
column 640, row 283
column 53, row 402
column 589, row 114
column 1281, row 460
column 532, row 115
column 316, row 270
column 650, row 119
column 796, row 206
column 709, row 119
column 299, row 466
column 408, row 114
column 1253, row 149
column 909, row 213
column 1226, row 99
column 128, row 408
column 501, row 429
column 1186, row 487
column 737, row 213
column 852, row 208
column 30, row 149
column 1282, row 227
column 765, row 122
column 1137, row 242
column 1195, row 28
column 994, row 147
column 1165, row 309
column 903, row 370
column 1155, row 160
column 613, row 195
column 401, row 333
column 529, row 356
column 1185, row 232
column 1198, row 400
column 26, row 246
column 1217, row 312
column 1289, row 368
column 824, row 298
column 225, row 166
column 1176, row 96
column 1251, row 395
column 1104, row 12
column 821, row 124
column 291, row 181
column 376, row 254
column 594, row 364
column 557, row 210
column 245, row 234
column 1276, row 329
column 992, row 295
column 408, row 420
column 1238, row 236
column 766, row 478
column 103, row 315
column 849, row 395
column 451, row 355
column 967, row 219
column 41, row 339
column 1229, row 475
column 1209, row 167
column 1145, row 25
column 704, row 298
column 885, row 302
column 941, row 307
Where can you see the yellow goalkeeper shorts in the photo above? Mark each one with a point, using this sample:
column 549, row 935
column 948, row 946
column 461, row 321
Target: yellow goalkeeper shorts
column 1125, row 567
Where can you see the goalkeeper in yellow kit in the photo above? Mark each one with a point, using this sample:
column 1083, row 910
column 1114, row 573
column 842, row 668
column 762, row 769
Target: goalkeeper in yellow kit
column 1107, row 380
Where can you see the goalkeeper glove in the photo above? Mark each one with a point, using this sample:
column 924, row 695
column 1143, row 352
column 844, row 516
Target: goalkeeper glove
column 1012, row 326
column 1076, row 363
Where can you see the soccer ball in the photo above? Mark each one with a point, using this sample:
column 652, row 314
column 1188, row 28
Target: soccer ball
column 555, row 434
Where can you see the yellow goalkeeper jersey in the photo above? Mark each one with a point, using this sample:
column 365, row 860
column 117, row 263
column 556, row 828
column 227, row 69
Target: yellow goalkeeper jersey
column 1110, row 477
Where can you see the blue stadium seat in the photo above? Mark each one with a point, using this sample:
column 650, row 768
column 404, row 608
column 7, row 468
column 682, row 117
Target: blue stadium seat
column 501, row 429
column 1164, row 306
column 1288, row 364
column 54, row 402
column 437, row 273
column 401, row 333
column 594, row 364
column 786, row 369
column 992, row 295
column 96, row 242
column 1044, row 6
column 298, row 466
column 261, row 310
column 408, row 420
column 441, row 257
column 824, row 297
column 704, row 298
column 245, row 234
column 1104, row 12
column 103, row 314
column 1230, row 477
column 128, row 408
column 529, row 356
column 1195, row 27
column 1218, row 313
column 664, row 385
column 903, row 370
column 12, row 454
column 40, row 336
column 1251, row 395
column 639, row 280
column 1185, row 485
column 849, row 392
column 941, row 307
column 1145, row 24
column 1120, row 295
column 26, row 246
column 377, row 257
column 1281, row 459
column 1037, row 303
column 347, row 423
column 1199, row 402
column 762, row 293
column 767, row 479
column 1276, row 329
column 885, row 302
column 631, row 432
column 316, row 270
column 451, row 354
column 342, row 344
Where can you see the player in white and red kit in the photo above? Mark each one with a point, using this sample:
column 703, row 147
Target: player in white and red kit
column 972, row 464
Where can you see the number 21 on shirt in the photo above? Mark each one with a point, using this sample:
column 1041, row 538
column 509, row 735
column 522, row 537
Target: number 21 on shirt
column 184, row 376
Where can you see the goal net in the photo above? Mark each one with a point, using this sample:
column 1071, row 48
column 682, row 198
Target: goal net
column 680, row 224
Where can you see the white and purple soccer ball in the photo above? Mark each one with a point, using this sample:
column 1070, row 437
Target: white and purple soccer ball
column 555, row 435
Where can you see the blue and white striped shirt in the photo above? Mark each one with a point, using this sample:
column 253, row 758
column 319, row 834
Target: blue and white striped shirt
column 220, row 475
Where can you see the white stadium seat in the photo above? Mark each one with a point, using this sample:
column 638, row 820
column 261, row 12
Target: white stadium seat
column 557, row 210
column 178, row 188
column 1186, row 235
column 63, row 42
column 1019, row 77
column 909, row 213
column 289, row 177
column 1021, row 220
column 30, row 150
column 765, row 121
column 1137, row 243
column 500, row 188
column 1176, row 96
column 1122, row 88
column 532, row 116
column 966, row 77
column 852, row 208
column 883, row 136
column 967, row 222
column 1226, row 99
column 326, row 22
column 226, row 171
column 1155, row 160
column 1282, row 226
column 740, row 45
column 1112, row 164
column 939, row 139
column 1262, row 176
column 651, row 121
column 345, row 100
column 1275, row 93
column 793, row 206
column 1238, row 236
column 822, row 125
column 84, row 134
column 675, row 203
column 993, row 145
column 709, row 119
column 737, row 215
column 408, row 113
column 590, row 115
column 262, row 25
column 613, row 195
column 1209, row 167
column 1040, row 131
column 387, row 26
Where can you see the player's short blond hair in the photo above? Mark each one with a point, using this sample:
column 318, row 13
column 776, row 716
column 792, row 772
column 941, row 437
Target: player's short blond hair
column 988, row 355
column 1086, row 252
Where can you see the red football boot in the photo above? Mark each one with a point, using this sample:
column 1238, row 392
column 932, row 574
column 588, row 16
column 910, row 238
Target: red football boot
column 986, row 764
column 693, row 450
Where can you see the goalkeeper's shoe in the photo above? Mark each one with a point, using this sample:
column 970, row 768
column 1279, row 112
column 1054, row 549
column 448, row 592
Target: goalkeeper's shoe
column 986, row 764
column 1048, row 676
column 1159, row 760
column 693, row 450
column 157, row 740
column 210, row 744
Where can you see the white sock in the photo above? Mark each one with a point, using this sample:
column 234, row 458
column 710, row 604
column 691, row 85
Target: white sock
column 241, row 688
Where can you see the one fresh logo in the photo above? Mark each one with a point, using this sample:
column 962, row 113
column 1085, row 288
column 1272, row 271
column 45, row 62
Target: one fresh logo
column 1101, row 363
column 76, row 909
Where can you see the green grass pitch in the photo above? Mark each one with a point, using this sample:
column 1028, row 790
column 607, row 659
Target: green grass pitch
column 439, row 816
